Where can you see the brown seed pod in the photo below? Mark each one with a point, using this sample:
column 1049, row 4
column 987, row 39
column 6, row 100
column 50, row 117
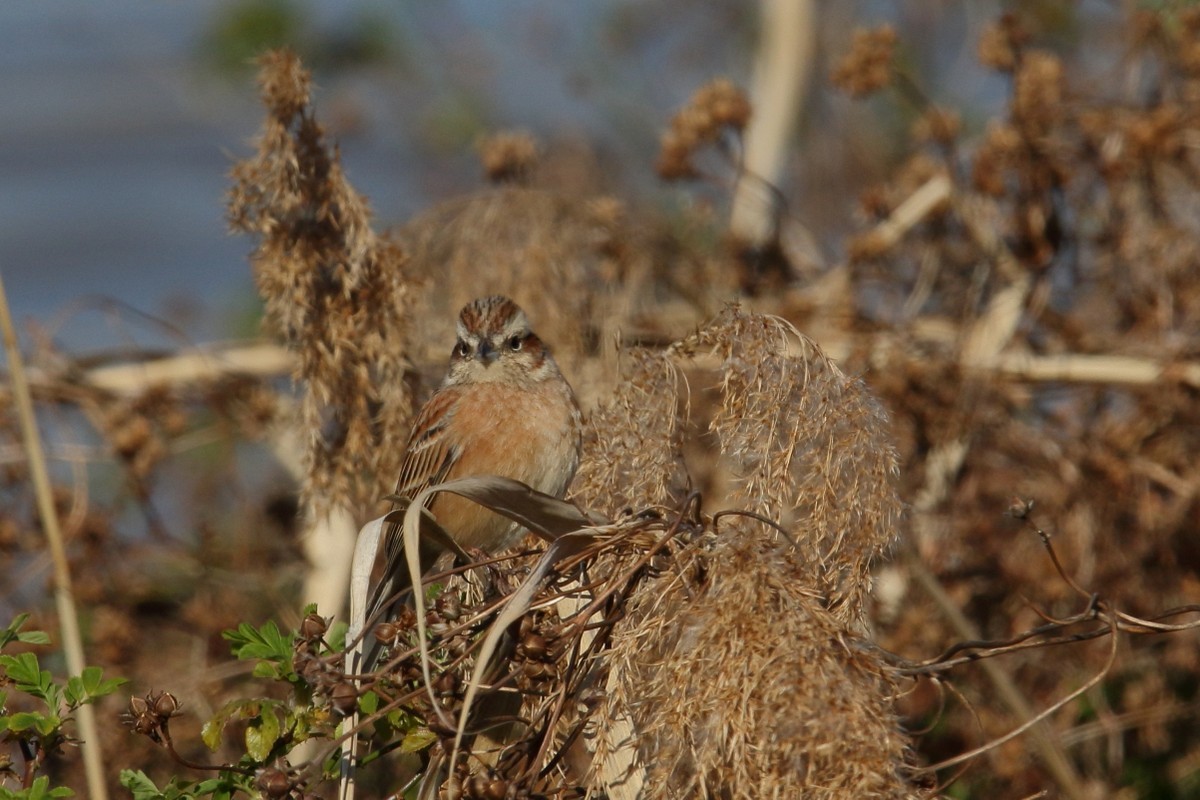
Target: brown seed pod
column 166, row 705
column 344, row 697
column 314, row 626
column 273, row 782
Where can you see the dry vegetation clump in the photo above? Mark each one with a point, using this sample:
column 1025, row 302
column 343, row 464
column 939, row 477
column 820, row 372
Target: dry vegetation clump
column 1023, row 301
column 568, row 262
column 733, row 669
column 508, row 156
column 690, row 653
column 809, row 448
column 715, row 108
column 868, row 67
column 740, row 683
column 335, row 291
column 1065, row 232
column 632, row 450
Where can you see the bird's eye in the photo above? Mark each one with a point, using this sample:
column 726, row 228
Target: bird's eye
column 514, row 343
column 462, row 350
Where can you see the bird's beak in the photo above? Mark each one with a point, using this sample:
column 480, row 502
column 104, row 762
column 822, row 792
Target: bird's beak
column 486, row 353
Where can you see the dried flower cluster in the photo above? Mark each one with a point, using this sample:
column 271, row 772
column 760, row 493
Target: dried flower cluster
column 508, row 157
column 868, row 66
column 714, row 108
column 333, row 289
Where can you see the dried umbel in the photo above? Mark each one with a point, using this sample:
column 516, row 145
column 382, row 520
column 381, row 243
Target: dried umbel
column 333, row 289
column 868, row 66
column 714, row 108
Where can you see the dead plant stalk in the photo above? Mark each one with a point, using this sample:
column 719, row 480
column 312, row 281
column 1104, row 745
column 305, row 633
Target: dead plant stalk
column 64, row 598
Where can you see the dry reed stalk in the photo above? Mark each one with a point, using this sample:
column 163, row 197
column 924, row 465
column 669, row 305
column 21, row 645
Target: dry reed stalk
column 64, row 598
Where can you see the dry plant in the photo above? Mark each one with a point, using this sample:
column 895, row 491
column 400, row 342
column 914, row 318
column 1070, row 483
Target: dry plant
column 723, row 643
column 333, row 289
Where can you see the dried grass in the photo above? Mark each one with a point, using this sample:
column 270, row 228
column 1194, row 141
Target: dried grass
column 547, row 251
column 809, row 448
column 740, row 684
column 732, row 667
column 632, row 451
column 334, row 290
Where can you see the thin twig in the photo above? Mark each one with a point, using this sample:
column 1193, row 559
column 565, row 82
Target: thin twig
column 1095, row 679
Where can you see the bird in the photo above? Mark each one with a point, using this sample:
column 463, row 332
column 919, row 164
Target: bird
column 503, row 408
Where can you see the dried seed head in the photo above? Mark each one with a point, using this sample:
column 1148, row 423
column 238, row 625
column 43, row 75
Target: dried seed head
column 313, row 627
column 165, row 705
column 332, row 288
column 533, row 646
column 344, row 697
column 387, row 632
column 1001, row 42
column 449, row 605
column 508, row 157
column 273, row 782
column 715, row 107
column 867, row 68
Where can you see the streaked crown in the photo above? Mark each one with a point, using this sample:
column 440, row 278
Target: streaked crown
column 495, row 343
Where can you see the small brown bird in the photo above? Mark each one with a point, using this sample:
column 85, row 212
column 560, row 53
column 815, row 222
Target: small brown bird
column 503, row 409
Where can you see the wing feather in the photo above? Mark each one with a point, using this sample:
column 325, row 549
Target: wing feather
column 428, row 459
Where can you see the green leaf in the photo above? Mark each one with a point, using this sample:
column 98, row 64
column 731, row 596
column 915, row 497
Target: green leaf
column 13, row 633
column 10, row 634
column 90, row 677
column 261, row 738
column 24, row 721
column 336, row 636
column 140, row 785
column 368, row 703
column 23, row 670
column 256, row 711
column 417, row 740
column 265, row 642
column 75, row 693
column 267, row 670
column 210, row 733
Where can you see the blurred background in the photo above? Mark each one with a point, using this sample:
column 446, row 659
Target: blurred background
column 122, row 121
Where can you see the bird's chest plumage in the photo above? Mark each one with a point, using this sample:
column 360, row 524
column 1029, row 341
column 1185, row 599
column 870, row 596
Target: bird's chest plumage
column 530, row 434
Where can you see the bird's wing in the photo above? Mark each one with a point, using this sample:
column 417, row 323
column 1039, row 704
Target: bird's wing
column 427, row 461
column 430, row 453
